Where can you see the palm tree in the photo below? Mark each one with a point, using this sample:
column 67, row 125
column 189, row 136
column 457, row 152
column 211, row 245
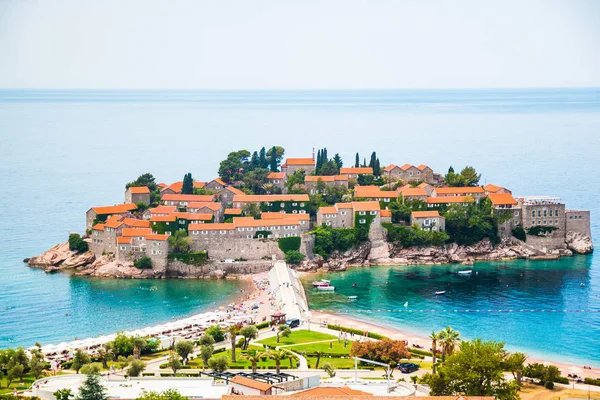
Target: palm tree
column 254, row 357
column 319, row 354
column 448, row 341
column 434, row 340
column 232, row 330
column 515, row 363
column 278, row 355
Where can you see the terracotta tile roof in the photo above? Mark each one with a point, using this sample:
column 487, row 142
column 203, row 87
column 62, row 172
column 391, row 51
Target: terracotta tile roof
column 365, row 206
column 193, row 216
column 423, row 185
column 279, row 215
column 233, row 190
column 299, row 161
column 450, row 199
column 340, row 206
column 413, row 192
column 425, row 214
column 492, row 188
column 406, row 166
column 256, row 198
column 176, row 186
column 163, row 218
column 124, row 240
column 112, row 223
column 118, row 209
column 132, row 232
column 422, row 167
column 163, row 210
column 459, row 190
column 314, row 178
column 157, row 237
column 233, row 211
column 161, row 185
column 386, row 213
column 502, row 199
column 243, row 222
column 136, row 223
column 373, row 192
column 390, row 167
column 331, row 391
column 98, row 227
column 139, row 190
column 251, row 383
column 211, row 227
column 276, row 175
column 361, row 170
column 199, row 185
column 114, row 218
column 187, row 197
column 208, row 204
column 328, row 210
column 357, row 397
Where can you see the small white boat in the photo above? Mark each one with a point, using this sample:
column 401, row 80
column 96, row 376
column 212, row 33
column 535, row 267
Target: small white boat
column 465, row 272
column 322, row 282
column 406, row 304
column 440, row 293
column 352, row 297
column 326, row 288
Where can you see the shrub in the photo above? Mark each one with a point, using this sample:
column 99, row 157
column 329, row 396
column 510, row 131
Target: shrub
column 262, row 325
column 549, row 385
column 289, row 244
column 216, row 332
column 519, row 233
column 294, row 257
column 136, row 368
column 76, row 243
column 329, row 370
column 143, row 263
column 540, row 230
column 592, row 381
column 414, row 236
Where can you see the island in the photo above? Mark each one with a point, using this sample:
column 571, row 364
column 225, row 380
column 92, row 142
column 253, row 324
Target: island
column 314, row 213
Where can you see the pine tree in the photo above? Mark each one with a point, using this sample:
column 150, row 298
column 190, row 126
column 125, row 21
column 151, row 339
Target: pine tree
column 357, row 162
column 451, row 170
column 92, row 389
column 338, row 162
column 254, row 161
column 262, row 158
column 188, row 184
column 273, row 164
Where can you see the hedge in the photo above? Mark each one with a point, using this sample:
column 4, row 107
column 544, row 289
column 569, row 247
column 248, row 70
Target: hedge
column 263, row 325
column 289, row 244
column 356, row 331
column 197, row 259
column 592, row 381
column 419, row 352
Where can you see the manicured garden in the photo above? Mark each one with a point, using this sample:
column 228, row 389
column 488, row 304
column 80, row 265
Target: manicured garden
column 297, row 337
column 242, row 362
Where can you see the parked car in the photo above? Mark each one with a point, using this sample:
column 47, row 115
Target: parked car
column 407, row 368
column 292, row 323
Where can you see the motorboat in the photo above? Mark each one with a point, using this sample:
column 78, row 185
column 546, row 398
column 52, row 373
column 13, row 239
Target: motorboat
column 352, row 297
column 440, row 293
column 465, row 272
column 327, row 288
column 322, row 282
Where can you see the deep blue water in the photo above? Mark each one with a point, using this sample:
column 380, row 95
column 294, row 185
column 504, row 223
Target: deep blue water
column 64, row 151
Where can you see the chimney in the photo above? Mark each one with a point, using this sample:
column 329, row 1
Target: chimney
column 313, row 154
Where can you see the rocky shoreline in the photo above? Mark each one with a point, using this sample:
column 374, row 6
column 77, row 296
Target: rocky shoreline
column 375, row 252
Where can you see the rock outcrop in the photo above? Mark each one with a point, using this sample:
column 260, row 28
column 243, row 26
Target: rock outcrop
column 579, row 243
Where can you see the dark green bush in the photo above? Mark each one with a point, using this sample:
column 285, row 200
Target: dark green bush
column 540, row 230
column 289, row 244
column 263, row 325
column 294, row 257
column 76, row 243
column 592, row 381
column 143, row 263
column 519, row 233
column 411, row 236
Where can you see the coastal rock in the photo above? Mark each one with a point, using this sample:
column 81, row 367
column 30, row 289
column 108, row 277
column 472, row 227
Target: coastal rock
column 53, row 257
column 79, row 260
column 379, row 250
column 219, row 274
column 579, row 243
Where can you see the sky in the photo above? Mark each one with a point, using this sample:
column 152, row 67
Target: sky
column 305, row 44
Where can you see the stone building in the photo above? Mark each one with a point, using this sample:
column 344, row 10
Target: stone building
column 475, row 192
column 286, row 203
column 213, row 208
column 413, row 194
column 434, row 202
column 102, row 213
column 277, row 179
column 386, row 216
column 410, row 173
column 354, row 172
column 159, row 211
column 292, row 165
column 312, row 181
column 489, row 189
column 578, row 221
column 139, row 194
column 428, row 220
column 182, row 200
column 543, row 210
column 346, row 215
column 174, row 188
column 215, row 185
column 505, row 201
column 374, row 193
column 225, row 195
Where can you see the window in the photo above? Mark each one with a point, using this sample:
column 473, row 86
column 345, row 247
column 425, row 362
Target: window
column 123, row 247
column 362, row 213
column 544, row 213
column 282, row 205
column 427, row 222
column 545, row 223
column 302, row 211
column 580, row 217
column 248, row 236
column 343, row 213
column 387, row 200
column 373, row 213
column 240, row 229
column 556, row 212
column 276, row 228
column 301, row 204
column 328, row 216
column 533, row 214
column 362, row 221
column 434, row 228
column 223, row 232
column 294, row 204
column 294, row 211
column 328, row 223
column 276, row 181
column 167, row 223
column 556, row 221
column 550, row 212
column 261, row 236
column 516, row 213
column 539, row 213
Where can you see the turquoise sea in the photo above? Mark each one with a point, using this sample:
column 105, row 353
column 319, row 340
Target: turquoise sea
column 65, row 151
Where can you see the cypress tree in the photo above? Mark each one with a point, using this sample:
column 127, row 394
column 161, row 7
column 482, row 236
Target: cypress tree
column 188, row 184
column 254, row 161
column 273, row 163
column 357, row 162
column 318, row 165
column 451, row 170
column 262, row 159
column 364, row 162
column 377, row 168
column 373, row 158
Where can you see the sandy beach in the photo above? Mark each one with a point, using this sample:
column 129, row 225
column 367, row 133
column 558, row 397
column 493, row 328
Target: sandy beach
column 425, row 343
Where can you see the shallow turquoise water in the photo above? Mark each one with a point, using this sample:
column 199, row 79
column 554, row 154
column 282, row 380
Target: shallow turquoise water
column 65, row 151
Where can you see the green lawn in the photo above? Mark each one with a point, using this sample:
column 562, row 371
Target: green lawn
column 27, row 381
column 336, row 347
column 297, row 336
column 338, row 363
column 242, row 363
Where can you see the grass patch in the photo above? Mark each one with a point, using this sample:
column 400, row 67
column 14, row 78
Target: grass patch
column 338, row 363
column 297, row 337
column 337, row 348
column 242, row 363
column 27, row 381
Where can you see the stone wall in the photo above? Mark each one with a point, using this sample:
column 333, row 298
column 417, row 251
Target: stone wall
column 546, row 244
column 177, row 269
column 232, row 248
column 578, row 221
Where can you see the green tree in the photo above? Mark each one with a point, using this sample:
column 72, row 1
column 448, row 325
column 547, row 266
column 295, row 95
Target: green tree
column 216, row 332
column 184, row 348
column 92, row 389
column 329, row 168
column 435, row 337
column 76, row 243
column 254, row 161
column 92, row 368
column 283, row 331
column 180, row 242
column 63, row 394
column 249, row 332
column 254, row 356
column 122, row 345
column 146, row 179
column 219, row 364
column 449, row 339
column 206, row 352
column 262, row 159
column 357, row 161
column 36, row 363
column 377, row 168
column 124, row 362
column 338, row 162
column 80, row 359
column 297, row 178
column 136, row 368
column 233, row 167
column 515, row 364
column 278, row 356
column 294, row 257
column 319, row 354
column 174, row 363
column 273, row 164
column 188, row 184
column 169, row 394
column 206, row 340
column 470, row 177
column 256, row 179
column 329, row 369
column 17, row 371
column 232, row 330
column 143, row 263
column 139, row 345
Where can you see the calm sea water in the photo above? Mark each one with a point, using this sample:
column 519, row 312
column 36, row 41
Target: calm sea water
column 64, row 151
